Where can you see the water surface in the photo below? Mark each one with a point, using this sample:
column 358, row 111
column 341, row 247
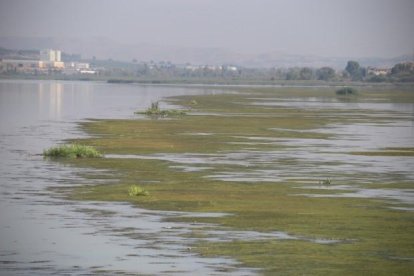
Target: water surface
column 43, row 233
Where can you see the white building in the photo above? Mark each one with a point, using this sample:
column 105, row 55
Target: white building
column 50, row 61
column 50, row 55
column 52, row 58
column 79, row 68
column 21, row 66
column 79, row 65
column 378, row 71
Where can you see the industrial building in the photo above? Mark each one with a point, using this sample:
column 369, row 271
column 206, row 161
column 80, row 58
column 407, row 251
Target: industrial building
column 50, row 60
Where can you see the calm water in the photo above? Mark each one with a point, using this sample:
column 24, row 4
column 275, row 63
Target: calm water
column 43, row 233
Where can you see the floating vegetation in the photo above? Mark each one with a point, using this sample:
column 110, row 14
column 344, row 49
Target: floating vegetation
column 346, row 91
column 155, row 110
column 72, row 151
column 135, row 190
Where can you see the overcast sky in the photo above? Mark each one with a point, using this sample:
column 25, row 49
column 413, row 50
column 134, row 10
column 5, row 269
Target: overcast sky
column 316, row 27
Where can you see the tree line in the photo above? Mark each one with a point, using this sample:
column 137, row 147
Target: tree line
column 353, row 71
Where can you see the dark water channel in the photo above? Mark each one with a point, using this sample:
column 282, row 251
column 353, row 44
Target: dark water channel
column 44, row 234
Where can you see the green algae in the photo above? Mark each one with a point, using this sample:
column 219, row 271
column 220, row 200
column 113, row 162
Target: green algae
column 375, row 239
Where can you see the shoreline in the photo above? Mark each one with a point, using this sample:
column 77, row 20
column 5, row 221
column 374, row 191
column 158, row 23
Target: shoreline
column 215, row 82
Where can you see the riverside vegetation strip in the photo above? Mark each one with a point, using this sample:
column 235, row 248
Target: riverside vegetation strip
column 373, row 237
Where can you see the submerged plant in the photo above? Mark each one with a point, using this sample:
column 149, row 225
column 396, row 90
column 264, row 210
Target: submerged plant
column 155, row 110
column 72, row 151
column 135, row 190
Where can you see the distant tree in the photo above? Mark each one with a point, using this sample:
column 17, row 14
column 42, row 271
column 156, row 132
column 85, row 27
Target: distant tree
column 277, row 74
column 325, row 73
column 407, row 67
column 403, row 72
column 355, row 70
column 352, row 67
column 306, row 73
column 293, row 74
column 374, row 78
column 93, row 63
column 363, row 72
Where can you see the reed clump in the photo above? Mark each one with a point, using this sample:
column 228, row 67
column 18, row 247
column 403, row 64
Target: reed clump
column 135, row 190
column 72, row 151
column 155, row 110
column 346, row 91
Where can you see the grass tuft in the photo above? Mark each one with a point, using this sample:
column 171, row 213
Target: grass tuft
column 155, row 110
column 346, row 91
column 325, row 182
column 135, row 190
column 72, row 151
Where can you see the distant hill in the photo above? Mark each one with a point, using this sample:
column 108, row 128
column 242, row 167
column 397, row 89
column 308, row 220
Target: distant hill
column 104, row 48
column 19, row 54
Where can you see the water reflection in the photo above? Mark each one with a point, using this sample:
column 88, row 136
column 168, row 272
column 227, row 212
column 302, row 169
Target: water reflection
column 52, row 92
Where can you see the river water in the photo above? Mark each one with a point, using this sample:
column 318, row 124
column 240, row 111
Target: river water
column 41, row 232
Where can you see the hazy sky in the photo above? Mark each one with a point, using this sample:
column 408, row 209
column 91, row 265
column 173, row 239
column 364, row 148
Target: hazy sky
column 319, row 27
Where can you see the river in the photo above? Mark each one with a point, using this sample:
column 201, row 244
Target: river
column 43, row 233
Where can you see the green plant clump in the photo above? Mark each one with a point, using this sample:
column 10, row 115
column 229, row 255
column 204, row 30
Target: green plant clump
column 346, row 91
column 72, row 151
column 155, row 110
column 135, row 190
column 325, row 182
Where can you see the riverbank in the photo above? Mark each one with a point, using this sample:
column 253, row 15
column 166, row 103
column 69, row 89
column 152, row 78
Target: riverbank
column 262, row 155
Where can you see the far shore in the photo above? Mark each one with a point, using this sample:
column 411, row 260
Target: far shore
column 208, row 82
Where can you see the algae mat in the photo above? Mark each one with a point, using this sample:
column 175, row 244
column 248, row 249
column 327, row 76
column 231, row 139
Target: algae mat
column 311, row 183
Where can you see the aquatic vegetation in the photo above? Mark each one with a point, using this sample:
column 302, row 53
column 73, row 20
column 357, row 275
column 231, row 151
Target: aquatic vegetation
column 325, row 182
column 346, row 91
column 155, row 110
column 135, row 190
column 72, row 151
column 373, row 237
